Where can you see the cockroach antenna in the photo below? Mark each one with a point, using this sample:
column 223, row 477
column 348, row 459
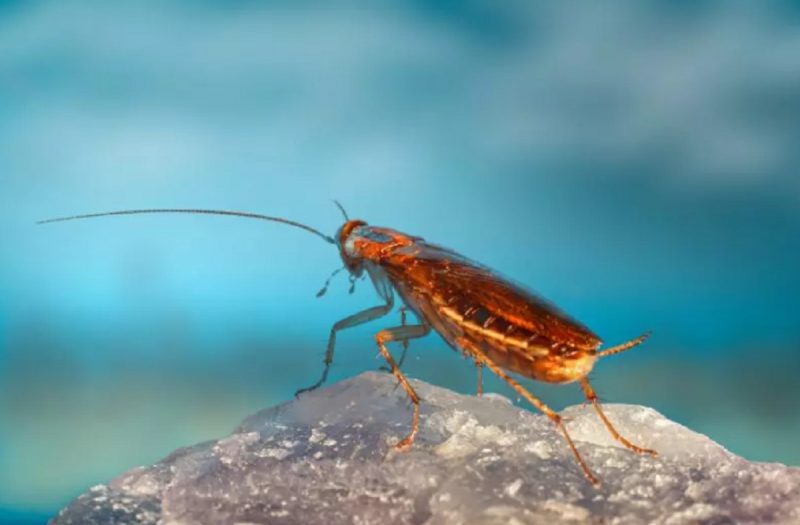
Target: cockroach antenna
column 341, row 209
column 247, row 215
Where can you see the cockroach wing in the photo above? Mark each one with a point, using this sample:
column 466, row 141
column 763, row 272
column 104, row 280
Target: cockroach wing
column 441, row 272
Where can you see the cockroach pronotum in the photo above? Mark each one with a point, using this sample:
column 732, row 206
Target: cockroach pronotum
column 491, row 320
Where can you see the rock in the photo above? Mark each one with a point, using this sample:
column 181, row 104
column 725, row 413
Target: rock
column 327, row 459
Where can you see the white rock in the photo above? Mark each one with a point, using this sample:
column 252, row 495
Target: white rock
column 326, row 459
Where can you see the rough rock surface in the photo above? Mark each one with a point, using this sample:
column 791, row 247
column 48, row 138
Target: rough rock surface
column 326, row 459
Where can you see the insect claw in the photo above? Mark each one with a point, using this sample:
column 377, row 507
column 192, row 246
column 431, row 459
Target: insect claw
column 315, row 385
column 306, row 390
column 301, row 391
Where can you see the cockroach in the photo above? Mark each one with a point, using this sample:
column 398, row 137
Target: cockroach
column 495, row 322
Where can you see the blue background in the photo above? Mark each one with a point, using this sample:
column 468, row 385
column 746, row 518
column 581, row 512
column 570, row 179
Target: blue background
column 634, row 162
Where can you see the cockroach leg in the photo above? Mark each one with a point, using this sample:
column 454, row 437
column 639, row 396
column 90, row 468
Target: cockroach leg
column 549, row 412
column 397, row 334
column 591, row 396
column 479, row 367
column 403, row 322
column 364, row 316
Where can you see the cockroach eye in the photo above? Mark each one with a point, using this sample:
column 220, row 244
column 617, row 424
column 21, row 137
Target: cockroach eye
column 350, row 246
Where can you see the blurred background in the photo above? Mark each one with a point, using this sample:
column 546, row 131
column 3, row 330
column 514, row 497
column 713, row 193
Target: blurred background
column 634, row 162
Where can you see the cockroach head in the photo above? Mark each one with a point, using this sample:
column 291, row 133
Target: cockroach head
column 345, row 241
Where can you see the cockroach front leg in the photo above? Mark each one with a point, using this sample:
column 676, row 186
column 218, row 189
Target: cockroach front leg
column 398, row 334
column 591, row 396
column 365, row 316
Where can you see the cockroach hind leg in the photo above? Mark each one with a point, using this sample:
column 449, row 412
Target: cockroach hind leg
column 591, row 397
column 536, row 402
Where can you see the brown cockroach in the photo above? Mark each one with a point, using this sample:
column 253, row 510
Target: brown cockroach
column 493, row 321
